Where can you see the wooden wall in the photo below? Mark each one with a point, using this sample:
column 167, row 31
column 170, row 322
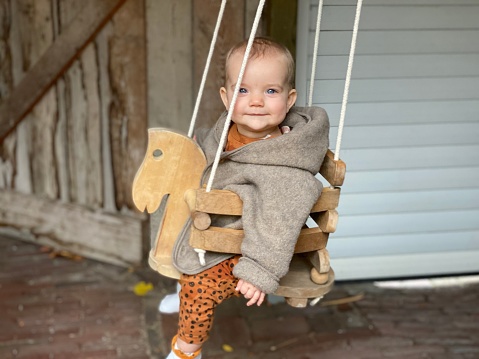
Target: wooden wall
column 176, row 61
column 76, row 152
column 410, row 202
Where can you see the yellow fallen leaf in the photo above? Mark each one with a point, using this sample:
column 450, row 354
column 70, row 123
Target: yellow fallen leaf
column 227, row 348
column 142, row 288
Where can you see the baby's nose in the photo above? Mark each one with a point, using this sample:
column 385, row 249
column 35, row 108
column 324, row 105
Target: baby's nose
column 256, row 100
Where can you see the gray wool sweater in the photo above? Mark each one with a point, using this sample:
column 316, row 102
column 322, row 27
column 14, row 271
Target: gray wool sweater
column 276, row 181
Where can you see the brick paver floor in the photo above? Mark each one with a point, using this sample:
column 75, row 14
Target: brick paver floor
column 57, row 307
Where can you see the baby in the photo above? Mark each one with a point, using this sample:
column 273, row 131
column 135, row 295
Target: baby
column 272, row 155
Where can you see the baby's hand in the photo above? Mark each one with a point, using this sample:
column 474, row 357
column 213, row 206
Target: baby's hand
column 250, row 292
column 285, row 129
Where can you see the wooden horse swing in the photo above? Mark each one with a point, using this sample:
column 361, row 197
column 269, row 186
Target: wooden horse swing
column 166, row 185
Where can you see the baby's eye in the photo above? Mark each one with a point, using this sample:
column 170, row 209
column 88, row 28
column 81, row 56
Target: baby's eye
column 243, row 90
column 271, row 91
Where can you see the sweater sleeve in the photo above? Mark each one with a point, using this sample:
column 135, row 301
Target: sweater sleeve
column 275, row 208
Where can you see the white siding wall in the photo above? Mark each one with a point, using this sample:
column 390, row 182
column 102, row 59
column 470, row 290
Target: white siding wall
column 410, row 202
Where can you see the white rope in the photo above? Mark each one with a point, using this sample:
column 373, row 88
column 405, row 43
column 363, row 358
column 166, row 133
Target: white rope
column 207, row 67
column 235, row 94
column 348, row 80
column 315, row 53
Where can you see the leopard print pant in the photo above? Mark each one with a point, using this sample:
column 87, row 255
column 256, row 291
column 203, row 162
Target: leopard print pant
column 200, row 294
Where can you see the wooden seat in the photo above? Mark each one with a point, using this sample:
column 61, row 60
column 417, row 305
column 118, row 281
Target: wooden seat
column 168, row 181
column 310, row 274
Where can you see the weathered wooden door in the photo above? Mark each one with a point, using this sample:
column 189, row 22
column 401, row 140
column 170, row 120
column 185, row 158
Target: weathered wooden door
column 73, row 124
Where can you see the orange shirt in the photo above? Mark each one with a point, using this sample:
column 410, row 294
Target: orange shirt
column 237, row 140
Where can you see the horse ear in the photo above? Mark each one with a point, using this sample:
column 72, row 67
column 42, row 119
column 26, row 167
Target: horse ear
column 173, row 163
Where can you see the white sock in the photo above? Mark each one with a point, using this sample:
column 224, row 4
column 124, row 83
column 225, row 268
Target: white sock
column 171, row 302
column 172, row 354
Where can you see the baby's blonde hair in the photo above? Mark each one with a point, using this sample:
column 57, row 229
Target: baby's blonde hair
column 263, row 46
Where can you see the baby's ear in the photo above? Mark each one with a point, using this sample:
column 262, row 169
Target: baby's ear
column 224, row 97
column 292, row 98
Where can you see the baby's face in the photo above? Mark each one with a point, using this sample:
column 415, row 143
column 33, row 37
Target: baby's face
column 264, row 97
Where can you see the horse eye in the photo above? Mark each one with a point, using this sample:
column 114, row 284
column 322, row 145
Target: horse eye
column 157, row 154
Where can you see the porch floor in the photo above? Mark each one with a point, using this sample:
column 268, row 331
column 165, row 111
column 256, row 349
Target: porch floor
column 56, row 306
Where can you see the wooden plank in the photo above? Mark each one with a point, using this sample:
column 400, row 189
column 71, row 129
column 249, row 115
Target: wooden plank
column 116, row 239
column 217, row 239
column 404, row 65
column 406, row 112
column 229, row 203
column 54, row 62
column 83, row 130
column 214, row 202
column 333, row 171
column 403, row 2
column 250, row 8
column 107, row 97
column 40, row 143
column 311, row 239
column 405, row 243
column 205, row 13
column 397, row 223
column 404, row 201
column 32, row 32
column 128, row 110
column 281, row 22
column 380, row 17
column 170, row 63
column 328, row 200
column 401, row 158
column 393, row 266
column 399, row 89
column 431, row 179
column 398, row 42
column 413, row 135
column 228, row 240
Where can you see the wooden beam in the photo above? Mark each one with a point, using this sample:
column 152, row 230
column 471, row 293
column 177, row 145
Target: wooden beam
column 116, row 239
column 56, row 60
